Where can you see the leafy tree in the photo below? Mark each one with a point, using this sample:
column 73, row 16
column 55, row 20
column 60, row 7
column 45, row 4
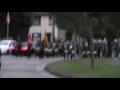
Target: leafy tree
column 98, row 24
column 80, row 22
column 112, row 28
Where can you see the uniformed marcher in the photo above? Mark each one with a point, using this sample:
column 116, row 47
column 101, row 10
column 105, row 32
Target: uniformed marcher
column 37, row 48
column 41, row 53
column 0, row 56
column 18, row 47
column 29, row 49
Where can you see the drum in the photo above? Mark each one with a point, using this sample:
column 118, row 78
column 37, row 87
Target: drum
column 37, row 49
column 73, row 52
column 56, row 50
column 66, row 51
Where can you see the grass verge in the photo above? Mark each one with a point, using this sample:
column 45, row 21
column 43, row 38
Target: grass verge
column 82, row 68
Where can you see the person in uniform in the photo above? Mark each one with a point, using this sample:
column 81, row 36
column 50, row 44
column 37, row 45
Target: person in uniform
column 18, row 47
column 114, row 49
column 41, row 53
column 29, row 49
column 0, row 56
column 37, row 48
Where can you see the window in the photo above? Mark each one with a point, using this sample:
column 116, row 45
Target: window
column 36, row 36
column 37, row 20
column 50, row 20
column 4, row 42
column 12, row 43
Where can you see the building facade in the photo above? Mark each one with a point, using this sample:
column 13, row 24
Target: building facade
column 43, row 22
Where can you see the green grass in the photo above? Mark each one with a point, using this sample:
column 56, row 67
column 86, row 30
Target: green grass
column 82, row 68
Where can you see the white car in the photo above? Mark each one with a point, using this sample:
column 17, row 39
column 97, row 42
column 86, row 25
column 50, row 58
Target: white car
column 5, row 46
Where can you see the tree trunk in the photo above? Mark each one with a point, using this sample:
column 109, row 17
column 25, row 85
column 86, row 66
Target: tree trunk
column 91, row 48
column 79, row 47
column 75, row 44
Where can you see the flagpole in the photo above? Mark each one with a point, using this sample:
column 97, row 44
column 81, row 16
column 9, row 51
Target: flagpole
column 7, row 31
column 8, row 22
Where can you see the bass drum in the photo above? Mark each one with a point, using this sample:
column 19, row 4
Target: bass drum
column 37, row 49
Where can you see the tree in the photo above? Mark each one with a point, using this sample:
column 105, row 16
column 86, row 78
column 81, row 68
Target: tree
column 112, row 28
column 80, row 22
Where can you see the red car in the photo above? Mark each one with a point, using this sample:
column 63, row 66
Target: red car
column 24, row 49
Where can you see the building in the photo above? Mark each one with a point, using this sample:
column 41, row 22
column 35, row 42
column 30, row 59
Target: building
column 43, row 21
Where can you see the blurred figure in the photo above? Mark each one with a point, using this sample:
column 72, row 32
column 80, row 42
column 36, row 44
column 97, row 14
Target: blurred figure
column 114, row 49
column 37, row 48
column 29, row 45
column 0, row 55
column 118, row 50
column 0, row 58
column 41, row 53
column 29, row 49
column 18, row 47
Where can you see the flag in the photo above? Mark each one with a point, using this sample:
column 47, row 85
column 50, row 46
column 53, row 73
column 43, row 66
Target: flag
column 29, row 39
column 44, row 38
column 8, row 18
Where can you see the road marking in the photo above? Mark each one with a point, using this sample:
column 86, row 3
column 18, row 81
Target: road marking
column 40, row 68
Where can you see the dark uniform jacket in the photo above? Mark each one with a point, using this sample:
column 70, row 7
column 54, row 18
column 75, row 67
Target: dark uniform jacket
column 19, row 45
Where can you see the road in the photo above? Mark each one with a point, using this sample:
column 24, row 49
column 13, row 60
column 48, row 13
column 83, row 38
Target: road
column 13, row 67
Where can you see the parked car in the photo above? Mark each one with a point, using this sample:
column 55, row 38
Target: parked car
column 6, row 46
column 25, row 48
column 13, row 49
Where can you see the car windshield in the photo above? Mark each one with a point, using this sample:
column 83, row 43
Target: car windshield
column 4, row 42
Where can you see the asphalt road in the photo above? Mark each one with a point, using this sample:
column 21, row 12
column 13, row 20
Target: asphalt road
column 13, row 67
